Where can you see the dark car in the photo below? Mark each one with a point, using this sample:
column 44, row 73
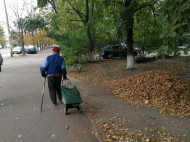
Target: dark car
column 111, row 51
column 30, row 50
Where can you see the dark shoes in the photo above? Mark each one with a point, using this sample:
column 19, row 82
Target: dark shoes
column 60, row 102
column 55, row 104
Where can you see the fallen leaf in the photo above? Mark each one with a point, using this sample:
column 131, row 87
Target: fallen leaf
column 164, row 127
column 146, row 101
column 53, row 135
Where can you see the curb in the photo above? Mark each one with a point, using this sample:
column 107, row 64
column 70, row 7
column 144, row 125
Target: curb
column 99, row 137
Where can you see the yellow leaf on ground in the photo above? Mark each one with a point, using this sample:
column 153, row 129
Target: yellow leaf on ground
column 53, row 135
column 164, row 127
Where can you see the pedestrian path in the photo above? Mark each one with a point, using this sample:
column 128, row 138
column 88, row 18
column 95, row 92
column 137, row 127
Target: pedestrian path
column 20, row 98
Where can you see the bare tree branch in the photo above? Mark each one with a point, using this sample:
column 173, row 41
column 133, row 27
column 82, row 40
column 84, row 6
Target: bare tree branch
column 149, row 4
column 78, row 12
column 78, row 9
column 76, row 5
column 87, row 11
column 74, row 20
column 118, row 2
column 52, row 3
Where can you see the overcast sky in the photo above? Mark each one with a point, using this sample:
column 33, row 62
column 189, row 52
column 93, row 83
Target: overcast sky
column 12, row 6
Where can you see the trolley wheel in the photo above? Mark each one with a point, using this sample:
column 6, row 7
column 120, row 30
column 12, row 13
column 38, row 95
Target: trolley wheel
column 65, row 111
column 80, row 109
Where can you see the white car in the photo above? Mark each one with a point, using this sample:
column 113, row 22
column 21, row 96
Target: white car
column 17, row 50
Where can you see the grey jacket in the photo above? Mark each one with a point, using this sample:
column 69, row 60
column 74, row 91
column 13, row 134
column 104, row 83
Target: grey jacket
column 1, row 59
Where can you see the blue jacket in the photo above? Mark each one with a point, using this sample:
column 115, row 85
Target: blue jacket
column 1, row 59
column 54, row 65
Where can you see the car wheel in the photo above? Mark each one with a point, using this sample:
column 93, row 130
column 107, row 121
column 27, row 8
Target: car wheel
column 110, row 56
column 105, row 57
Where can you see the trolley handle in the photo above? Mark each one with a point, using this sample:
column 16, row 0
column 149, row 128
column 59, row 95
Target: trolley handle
column 69, row 83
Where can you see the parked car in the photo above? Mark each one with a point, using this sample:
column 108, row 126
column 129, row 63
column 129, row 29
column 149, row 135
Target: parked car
column 17, row 50
column 115, row 51
column 30, row 50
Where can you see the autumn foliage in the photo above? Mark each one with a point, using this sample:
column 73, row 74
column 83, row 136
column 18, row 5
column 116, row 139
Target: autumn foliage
column 156, row 89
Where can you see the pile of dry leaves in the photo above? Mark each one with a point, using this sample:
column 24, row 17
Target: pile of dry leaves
column 156, row 89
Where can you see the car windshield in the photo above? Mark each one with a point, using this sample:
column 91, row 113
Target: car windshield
column 107, row 47
column 30, row 47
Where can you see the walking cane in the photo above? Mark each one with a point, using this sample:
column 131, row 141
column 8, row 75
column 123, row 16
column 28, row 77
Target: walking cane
column 43, row 94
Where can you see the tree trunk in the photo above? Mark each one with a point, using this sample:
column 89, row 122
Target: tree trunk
column 22, row 42
column 37, row 47
column 129, row 40
column 23, row 50
column 33, row 38
column 91, row 45
column 130, row 57
column 91, row 57
column 85, row 20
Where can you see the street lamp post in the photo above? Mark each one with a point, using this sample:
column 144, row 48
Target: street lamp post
column 9, row 40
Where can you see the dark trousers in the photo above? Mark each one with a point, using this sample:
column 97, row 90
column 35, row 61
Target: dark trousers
column 54, row 85
column 0, row 68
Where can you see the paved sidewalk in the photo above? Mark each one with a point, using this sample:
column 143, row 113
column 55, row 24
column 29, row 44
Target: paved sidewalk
column 20, row 98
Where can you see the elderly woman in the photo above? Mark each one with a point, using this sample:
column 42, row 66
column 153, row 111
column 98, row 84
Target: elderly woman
column 54, row 68
column 1, row 61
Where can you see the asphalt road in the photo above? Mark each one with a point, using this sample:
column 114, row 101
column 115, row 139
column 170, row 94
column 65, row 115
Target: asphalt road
column 20, row 97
